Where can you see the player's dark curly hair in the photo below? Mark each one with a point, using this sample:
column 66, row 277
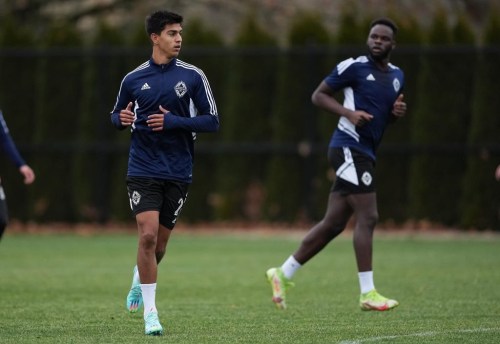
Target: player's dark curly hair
column 387, row 22
column 156, row 21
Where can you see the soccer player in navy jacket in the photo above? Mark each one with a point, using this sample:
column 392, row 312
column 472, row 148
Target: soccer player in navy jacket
column 10, row 148
column 164, row 102
column 373, row 98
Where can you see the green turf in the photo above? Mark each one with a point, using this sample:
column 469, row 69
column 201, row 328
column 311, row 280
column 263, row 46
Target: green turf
column 211, row 289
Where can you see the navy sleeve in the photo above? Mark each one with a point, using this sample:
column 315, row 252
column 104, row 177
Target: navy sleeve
column 342, row 76
column 8, row 144
column 122, row 101
column 198, row 124
column 203, row 111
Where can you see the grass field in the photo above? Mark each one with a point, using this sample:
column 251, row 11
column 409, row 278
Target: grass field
column 211, row 289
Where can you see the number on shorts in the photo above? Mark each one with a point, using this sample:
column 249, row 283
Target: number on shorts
column 179, row 208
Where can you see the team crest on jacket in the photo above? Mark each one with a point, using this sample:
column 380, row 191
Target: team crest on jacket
column 180, row 89
column 396, row 85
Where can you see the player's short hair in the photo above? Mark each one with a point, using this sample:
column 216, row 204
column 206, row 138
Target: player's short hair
column 156, row 21
column 387, row 22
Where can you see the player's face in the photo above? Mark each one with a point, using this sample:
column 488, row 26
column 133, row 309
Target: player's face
column 169, row 41
column 380, row 42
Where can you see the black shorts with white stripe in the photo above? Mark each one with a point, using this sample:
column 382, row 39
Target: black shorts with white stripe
column 355, row 171
column 165, row 196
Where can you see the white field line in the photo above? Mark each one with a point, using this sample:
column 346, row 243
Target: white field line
column 418, row 334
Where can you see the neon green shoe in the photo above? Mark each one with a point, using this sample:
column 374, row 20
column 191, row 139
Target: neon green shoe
column 134, row 297
column 373, row 301
column 279, row 284
column 153, row 326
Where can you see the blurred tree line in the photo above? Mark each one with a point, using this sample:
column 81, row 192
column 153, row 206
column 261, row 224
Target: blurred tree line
column 268, row 162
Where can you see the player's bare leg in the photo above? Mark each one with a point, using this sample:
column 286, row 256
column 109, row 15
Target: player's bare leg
column 365, row 207
column 134, row 297
column 148, row 225
column 336, row 217
column 333, row 223
column 161, row 243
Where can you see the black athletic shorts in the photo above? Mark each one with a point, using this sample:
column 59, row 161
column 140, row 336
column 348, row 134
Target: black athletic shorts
column 355, row 171
column 166, row 196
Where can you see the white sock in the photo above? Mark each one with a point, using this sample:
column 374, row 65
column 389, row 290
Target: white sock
column 136, row 279
column 148, row 297
column 290, row 266
column 366, row 281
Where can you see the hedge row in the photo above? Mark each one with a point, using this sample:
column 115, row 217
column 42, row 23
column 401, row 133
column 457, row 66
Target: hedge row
column 268, row 162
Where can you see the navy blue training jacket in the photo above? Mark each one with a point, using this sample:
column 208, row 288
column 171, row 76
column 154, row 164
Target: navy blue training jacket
column 180, row 88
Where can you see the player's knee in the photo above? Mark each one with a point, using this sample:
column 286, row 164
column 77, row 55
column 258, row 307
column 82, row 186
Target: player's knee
column 368, row 219
column 148, row 240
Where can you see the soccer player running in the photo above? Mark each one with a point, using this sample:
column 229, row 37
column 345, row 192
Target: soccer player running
column 372, row 99
column 164, row 101
column 10, row 148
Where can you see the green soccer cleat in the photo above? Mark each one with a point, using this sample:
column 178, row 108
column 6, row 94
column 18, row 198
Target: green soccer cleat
column 373, row 301
column 134, row 297
column 153, row 326
column 279, row 284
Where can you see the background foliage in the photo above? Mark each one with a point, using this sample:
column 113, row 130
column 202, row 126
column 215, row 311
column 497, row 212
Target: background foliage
column 268, row 162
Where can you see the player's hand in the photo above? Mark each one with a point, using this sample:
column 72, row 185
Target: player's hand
column 127, row 116
column 399, row 107
column 27, row 172
column 155, row 121
column 359, row 118
column 497, row 173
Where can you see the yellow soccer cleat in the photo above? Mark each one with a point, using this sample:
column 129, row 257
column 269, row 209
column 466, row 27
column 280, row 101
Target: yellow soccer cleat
column 279, row 284
column 373, row 301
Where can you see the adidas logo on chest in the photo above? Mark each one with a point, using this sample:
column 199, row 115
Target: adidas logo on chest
column 145, row 87
column 370, row 77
